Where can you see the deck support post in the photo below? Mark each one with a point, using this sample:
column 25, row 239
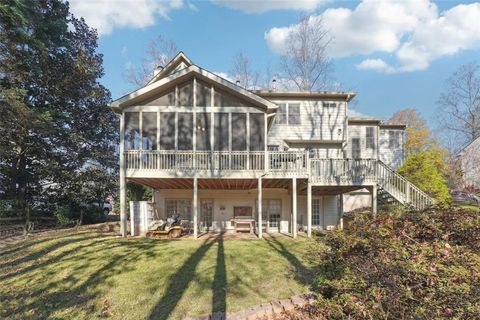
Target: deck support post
column 374, row 200
column 194, row 208
column 123, row 207
column 259, row 188
column 294, row 208
column 309, row 209
column 340, row 207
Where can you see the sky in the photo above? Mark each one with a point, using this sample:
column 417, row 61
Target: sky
column 393, row 54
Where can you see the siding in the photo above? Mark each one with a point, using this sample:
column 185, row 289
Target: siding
column 360, row 131
column 316, row 122
column 357, row 200
column 392, row 157
column 470, row 160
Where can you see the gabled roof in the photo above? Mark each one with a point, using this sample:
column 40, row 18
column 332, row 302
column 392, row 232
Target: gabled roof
column 178, row 77
column 179, row 62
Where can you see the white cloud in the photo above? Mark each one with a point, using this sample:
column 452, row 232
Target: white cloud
column 376, row 65
column 413, row 31
column 256, row 6
column 106, row 15
column 124, row 52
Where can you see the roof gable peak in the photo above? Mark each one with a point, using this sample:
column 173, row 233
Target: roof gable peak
column 179, row 62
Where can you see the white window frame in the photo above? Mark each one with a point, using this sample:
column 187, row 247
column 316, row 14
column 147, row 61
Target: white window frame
column 177, row 202
column 287, row 113
column 370, row 140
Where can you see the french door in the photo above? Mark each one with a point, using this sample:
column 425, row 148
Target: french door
column 206, row 213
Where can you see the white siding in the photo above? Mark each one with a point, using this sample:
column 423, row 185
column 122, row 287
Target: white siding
column 360, row 131
column 316, row 123
column 470, row 160
column 391, row 156
column 357, row 200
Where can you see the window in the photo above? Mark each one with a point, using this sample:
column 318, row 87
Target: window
column 185, row 94
column 185, row 131
column 273, row 148
column 149, row 130
column 370, row 138
column 356, row 151
column 221, row 131
column 394, row 138
column 132, row 131
column 257, row 131
column 223, row 99
column 204, row 94
column 316, row 211
column 271, row 211
column 203, row 131
column 288, row 114
column 206, row 212
column 167, row 130
column 281, row 117
column 329, row 105
column 239, row 131
column 165, row 99
column 294, row 113
column 182, row 207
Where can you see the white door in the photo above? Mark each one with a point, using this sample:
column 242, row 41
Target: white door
column 317, row 213
column 206, row 214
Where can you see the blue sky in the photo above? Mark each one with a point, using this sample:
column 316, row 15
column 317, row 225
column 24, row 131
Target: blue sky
column 393, row 54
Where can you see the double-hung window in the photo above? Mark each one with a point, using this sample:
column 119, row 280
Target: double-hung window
column 288, row 113
column 370, row 138
column 394, row 139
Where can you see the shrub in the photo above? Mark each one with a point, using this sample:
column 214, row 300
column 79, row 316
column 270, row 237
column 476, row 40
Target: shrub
column 69, row 215
column 401, row 266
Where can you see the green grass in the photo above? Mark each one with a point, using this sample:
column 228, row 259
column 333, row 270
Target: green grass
column 467, row 206
column 86, row 274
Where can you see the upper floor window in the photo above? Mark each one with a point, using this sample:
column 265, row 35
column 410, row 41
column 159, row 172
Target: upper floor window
column 370, row 138
column 356, row 149
column 288, row 113
column 394, row 138
column 132, row 131
column 330, row 104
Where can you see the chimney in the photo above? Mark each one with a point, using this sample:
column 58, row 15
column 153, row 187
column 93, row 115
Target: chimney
column 274, row 84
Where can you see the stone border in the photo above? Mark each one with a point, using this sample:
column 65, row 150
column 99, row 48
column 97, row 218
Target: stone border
column 263, row 311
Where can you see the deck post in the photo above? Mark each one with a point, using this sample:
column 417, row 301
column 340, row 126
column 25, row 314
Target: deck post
column 309, row 209
column 294, row 208
column 374, row 200
column 340, row 206
column 195, row 209
column 259, row 188
column 123, row 216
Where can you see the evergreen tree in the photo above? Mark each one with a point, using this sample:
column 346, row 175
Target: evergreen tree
column 55, row 122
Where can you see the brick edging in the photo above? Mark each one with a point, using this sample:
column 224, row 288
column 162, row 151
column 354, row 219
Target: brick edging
column 262, row 311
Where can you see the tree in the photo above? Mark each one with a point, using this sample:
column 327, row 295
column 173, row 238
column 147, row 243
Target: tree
column 243, row 72
column 426, row 169
column 55, row 121
column 459, row 105
column 419, row 137
column 305, row 61
column 159, row 52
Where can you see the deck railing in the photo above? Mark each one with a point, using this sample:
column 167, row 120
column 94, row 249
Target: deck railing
column 324, row 171
column 342, row 171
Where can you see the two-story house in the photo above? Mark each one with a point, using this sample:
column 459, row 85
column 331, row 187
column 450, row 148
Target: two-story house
column 215, row 152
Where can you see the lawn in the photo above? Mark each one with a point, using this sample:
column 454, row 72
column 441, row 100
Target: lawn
column 87, row 274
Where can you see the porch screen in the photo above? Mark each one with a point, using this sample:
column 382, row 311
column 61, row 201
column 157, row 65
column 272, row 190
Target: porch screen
column 221, row 131
column 185, row 94
column 257, row 131
column 185, row 131
column 203, row 131
column 223, row 99
column 204, row 94
column 167, row 130
column 239, row 131
column 149, row 131
column 132, row 131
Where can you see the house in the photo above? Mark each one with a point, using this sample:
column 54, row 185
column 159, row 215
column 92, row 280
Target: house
column 216, row 153
column 469, row 162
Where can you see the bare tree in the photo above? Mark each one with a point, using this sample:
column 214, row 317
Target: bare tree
column 242, row 71
column 305, row 61
column 459, row 105
column 159, row 52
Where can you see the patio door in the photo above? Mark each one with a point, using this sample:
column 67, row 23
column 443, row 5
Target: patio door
column 317, row 213
column 206, row 214
column 271, row 212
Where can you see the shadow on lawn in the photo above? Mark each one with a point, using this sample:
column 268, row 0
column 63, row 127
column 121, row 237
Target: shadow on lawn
column 178, row 283
column 219, row 285
column 300, row 271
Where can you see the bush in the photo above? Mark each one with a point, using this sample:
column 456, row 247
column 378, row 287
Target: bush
column 401, row 266
column 70, row 214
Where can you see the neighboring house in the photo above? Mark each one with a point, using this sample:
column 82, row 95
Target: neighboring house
column 216, row 153
column 470, row 164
